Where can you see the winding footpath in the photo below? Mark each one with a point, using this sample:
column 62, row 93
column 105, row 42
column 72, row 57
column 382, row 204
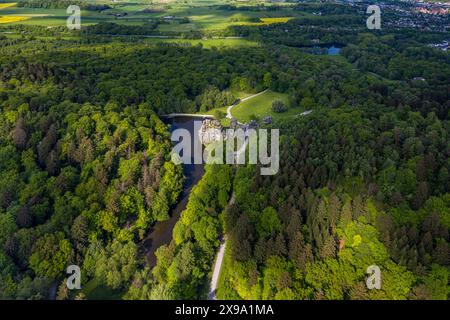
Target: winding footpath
column 216, row 273
column 219, row 262
column 229, row 116
column 223, row 242
column 209, row 116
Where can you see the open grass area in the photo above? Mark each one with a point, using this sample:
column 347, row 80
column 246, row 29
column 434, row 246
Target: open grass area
column 237, row 94
column 214, row 18
column 261, row 106
column 202, row 15
column 47, row 17
column 5, row 17
column 240, row 94
column 267, row 21
column 212, row 111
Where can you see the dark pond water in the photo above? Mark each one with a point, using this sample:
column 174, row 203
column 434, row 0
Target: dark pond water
column 161, row 233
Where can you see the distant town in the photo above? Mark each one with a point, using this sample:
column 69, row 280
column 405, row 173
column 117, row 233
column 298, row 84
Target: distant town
column 423, row 15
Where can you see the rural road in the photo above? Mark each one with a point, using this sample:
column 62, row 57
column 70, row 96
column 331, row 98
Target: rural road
column 242, row 100
column 223, row 243
column 219, row 261
column 172, row 115
column 216, row 273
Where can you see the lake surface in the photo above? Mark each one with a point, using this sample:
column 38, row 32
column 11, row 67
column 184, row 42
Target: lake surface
column 161, row 233
column 332, row 51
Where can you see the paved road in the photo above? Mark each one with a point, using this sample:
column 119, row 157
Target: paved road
column 219, row 261
column 172, row 115
column 242, row 100
column 216, row 273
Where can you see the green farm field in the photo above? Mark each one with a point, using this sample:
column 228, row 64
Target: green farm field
column 202, row 15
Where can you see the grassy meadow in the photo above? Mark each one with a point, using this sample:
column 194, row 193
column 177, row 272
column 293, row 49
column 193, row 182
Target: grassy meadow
column 202, row 15
column 261, row 106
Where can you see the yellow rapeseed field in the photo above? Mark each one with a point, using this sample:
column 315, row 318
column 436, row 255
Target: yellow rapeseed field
column 266, row 21
column 7, row 5
column 275, row 20
column 10, row 19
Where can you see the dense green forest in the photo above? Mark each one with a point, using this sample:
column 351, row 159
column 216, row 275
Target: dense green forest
column 61, row 4
column 380, row 197
column 184, row 264
column 85, row 168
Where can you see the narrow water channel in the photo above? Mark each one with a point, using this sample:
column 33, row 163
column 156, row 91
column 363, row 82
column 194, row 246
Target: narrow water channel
column 161, row 233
